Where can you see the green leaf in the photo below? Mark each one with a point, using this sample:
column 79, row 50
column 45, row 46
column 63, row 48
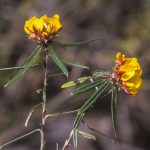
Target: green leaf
column 87, row 87
column 75, row 138
column 76, row 65
column 102, row 90
column 75, row 82
column 31, row 60
column 76, row 125
column 78, row 119
column 58, row 61
column 57, row 146
column 77, row 43
column 100, row 73
column 114, row 97
column 55, row 75
column 86, row 135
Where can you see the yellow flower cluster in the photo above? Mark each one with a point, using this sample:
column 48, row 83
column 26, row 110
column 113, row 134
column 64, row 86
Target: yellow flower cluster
column 127, row 74
column 43, row 29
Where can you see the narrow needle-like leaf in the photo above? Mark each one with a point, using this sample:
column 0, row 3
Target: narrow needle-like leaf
column 74, row 64
column 99, row 73
column 58, row 61
column 77, row 43
column 75, row 138
column 78, row 120
column 103, row 89
column 55, row 75
column 87, row 87
column 113, row 109
column 31, row 60
column 86, row 135
column 57, row 146
column 75, row 82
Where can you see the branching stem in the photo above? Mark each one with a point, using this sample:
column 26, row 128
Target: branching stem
column 42, row 131
column 67, row 141
column 60, row 114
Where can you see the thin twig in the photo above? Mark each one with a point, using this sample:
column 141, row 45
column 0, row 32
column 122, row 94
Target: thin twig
column 59, row 114
column 98, row 132
column 67, row 141
column 16, row 68
column 31, row 113
column 19, row 138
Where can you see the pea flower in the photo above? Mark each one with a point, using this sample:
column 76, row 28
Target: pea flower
column 127, row 74
column 43, row 29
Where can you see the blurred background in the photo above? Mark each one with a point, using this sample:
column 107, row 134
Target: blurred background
column 123, row 25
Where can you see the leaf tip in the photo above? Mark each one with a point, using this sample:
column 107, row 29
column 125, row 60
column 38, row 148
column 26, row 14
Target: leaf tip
column 67, row 74
column 71, row 93
column 5, row 85
column 26, row 125
column 62, row 86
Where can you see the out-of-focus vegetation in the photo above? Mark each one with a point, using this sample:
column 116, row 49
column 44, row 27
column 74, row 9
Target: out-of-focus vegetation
column 123, row 25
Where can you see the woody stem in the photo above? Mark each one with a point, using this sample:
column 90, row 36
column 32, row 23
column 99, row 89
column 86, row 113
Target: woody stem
column 42, row 130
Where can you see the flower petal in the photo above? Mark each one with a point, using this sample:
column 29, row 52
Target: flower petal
column 129, row 72
column 38, row 25
column 127, row 76
column 28, row 27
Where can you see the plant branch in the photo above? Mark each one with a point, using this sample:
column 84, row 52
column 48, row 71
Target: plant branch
column 68, row 140
column 42, row 131
column 59, row 114
column 15, row 68
column 98, row 132
column 19, row 138
column 31, row 113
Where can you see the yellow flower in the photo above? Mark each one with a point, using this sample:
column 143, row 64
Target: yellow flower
column 127, row 74
column 43, row 29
